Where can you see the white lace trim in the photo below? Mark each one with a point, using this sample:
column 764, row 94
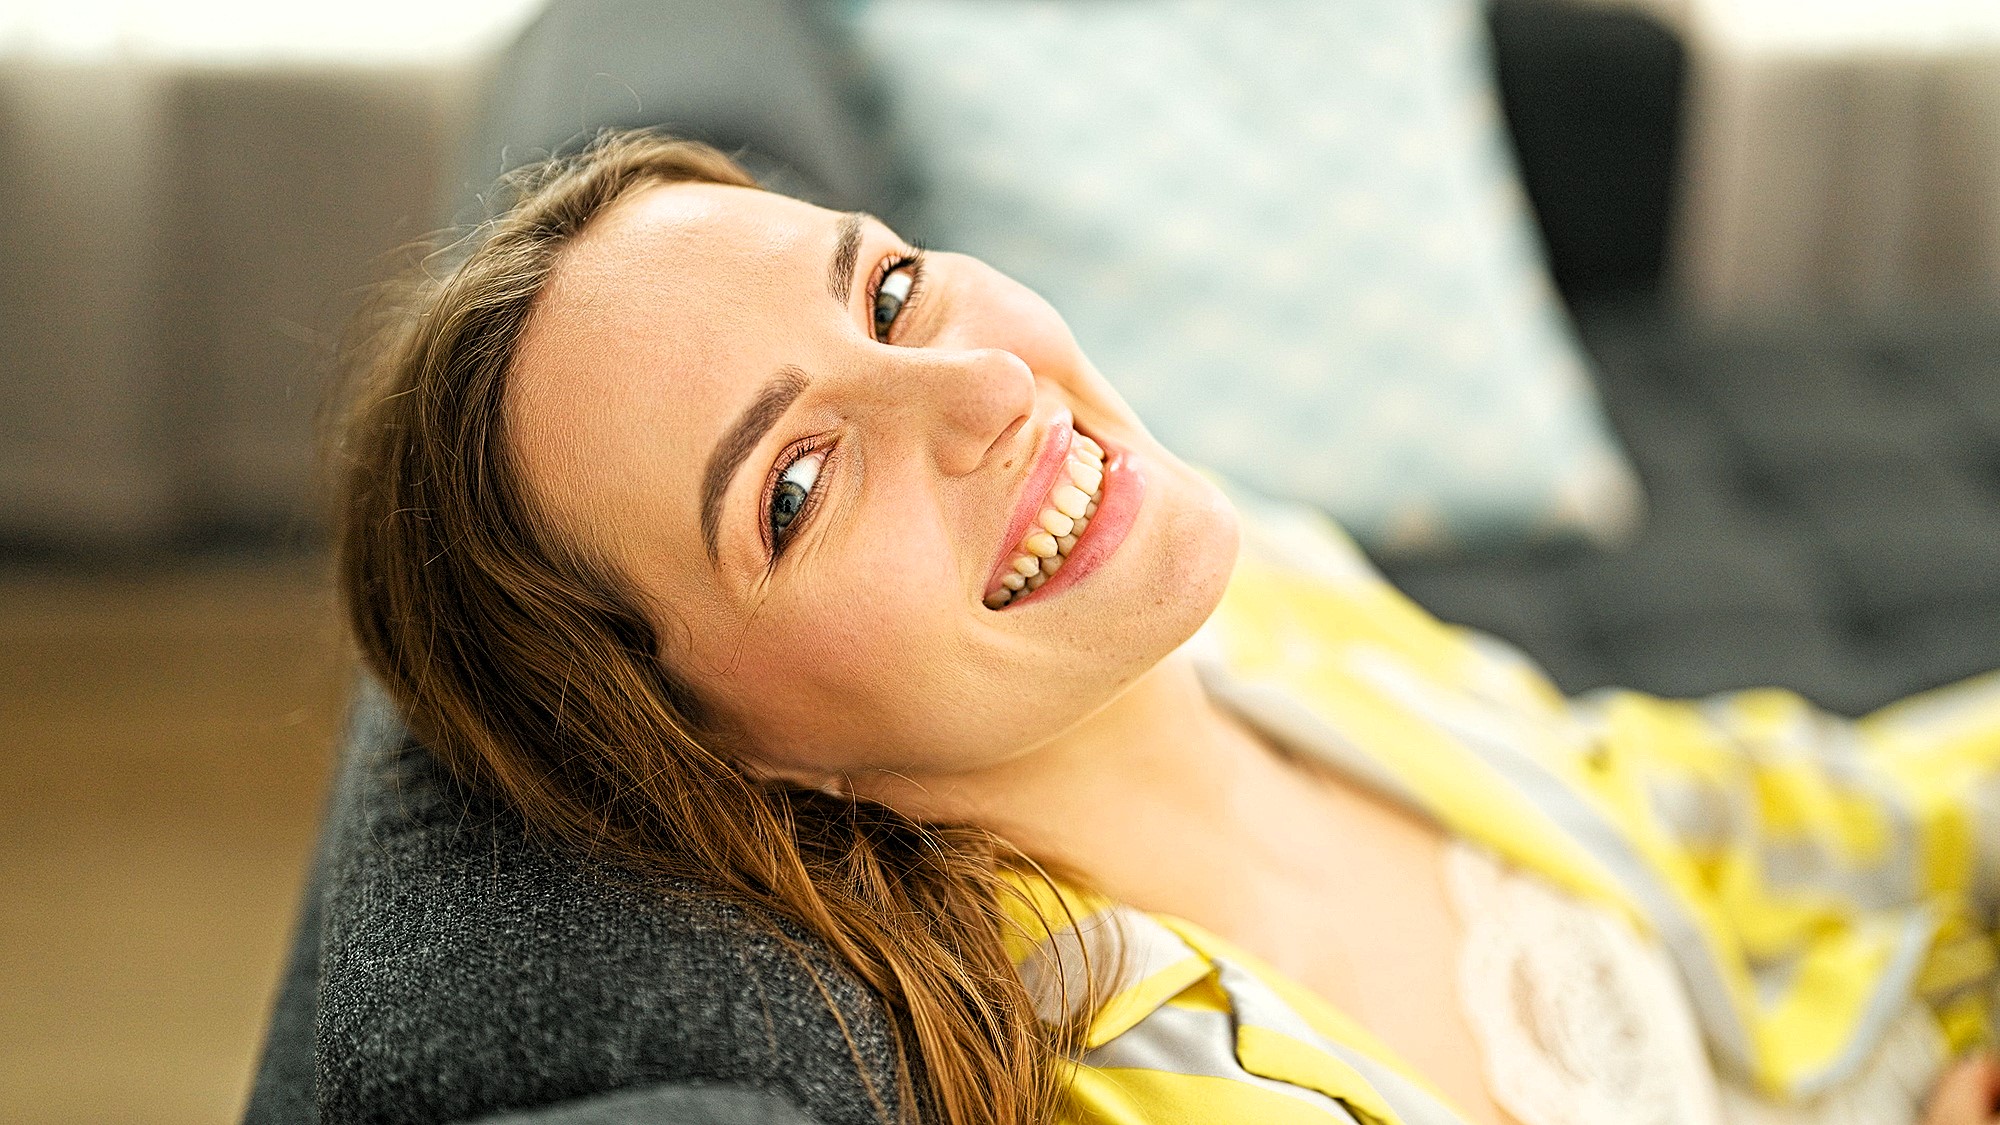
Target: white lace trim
column 1581, row 1022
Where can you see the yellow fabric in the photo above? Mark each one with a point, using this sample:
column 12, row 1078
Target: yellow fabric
column 1808, row 874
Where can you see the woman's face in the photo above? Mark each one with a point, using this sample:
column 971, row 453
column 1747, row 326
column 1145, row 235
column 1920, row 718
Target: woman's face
column 819, row 460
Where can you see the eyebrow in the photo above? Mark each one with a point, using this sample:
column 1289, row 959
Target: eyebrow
column 840, row 271
column 776, row 397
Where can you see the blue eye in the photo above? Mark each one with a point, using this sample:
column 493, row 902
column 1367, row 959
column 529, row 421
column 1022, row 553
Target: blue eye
column 789, row 496
column 893, row 295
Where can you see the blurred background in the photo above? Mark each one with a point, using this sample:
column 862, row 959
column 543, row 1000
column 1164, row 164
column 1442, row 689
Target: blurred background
column 1660, row 337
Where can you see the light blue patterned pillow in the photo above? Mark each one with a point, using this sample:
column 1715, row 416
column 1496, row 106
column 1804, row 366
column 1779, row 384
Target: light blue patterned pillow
column 1290, row 232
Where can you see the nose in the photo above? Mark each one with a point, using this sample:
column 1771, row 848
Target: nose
column 963, row 400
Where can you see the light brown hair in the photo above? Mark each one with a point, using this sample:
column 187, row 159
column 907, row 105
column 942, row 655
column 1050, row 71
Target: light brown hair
column 528, row 668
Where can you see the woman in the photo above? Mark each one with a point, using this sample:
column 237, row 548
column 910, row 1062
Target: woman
column 736, row 538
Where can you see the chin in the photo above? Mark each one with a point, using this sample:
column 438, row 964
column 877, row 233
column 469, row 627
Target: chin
column 1195, row 549
column 1215, row 530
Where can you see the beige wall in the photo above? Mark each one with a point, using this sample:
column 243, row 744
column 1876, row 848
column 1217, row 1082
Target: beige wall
column 179, row 244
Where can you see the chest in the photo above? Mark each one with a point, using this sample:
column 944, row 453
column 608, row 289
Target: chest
column 1399, row 976
column 1521, row 1004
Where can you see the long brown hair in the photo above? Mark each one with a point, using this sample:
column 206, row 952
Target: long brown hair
column 528, row 668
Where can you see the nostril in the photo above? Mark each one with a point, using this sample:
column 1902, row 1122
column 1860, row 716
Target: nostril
column 1013, row 428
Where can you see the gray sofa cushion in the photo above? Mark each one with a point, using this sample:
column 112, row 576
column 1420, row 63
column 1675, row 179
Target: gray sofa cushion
column 449, row 968
column 1825, row 516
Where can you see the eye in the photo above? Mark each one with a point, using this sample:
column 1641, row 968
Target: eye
column 790, row 494
column 895, row 292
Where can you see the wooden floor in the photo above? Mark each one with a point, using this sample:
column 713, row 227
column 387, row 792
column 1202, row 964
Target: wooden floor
column 164, row 747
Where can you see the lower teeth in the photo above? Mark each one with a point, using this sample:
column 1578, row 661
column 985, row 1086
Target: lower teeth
column 1015, row 585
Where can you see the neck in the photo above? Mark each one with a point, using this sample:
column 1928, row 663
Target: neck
column 1158, row 776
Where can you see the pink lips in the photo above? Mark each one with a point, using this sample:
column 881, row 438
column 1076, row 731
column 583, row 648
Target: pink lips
column 1056, row 439
column 1118, row 503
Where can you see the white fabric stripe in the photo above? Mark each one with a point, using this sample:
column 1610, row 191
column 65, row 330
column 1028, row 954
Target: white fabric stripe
column 1699, row 814
column 1254, row 1003
column 1123, row 946
column 1200, row 1044
column 1775, row 979
column 1831, row 746
column 1280, row 715
column 1984, row 806
column 1882, row 1011
column 1794, row 867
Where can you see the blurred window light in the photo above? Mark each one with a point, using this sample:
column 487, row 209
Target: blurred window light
column 259, row 31
column 1851, row 27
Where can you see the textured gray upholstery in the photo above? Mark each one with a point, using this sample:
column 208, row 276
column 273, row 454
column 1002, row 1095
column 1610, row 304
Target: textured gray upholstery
column 1825, row 516
column 450, row 969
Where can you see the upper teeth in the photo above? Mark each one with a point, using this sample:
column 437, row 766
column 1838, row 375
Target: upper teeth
column 1062, row 520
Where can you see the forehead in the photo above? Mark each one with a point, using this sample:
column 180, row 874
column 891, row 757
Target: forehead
column 682, row 248
column 653, row 330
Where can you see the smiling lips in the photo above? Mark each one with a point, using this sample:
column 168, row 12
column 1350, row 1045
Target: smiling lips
column 1063, row 518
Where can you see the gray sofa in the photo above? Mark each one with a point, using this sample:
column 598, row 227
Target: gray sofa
column 1826, row 517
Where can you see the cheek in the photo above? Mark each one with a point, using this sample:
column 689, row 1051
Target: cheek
column 822, row 683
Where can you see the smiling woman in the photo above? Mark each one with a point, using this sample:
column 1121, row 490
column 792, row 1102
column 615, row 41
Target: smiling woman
column 739, row 541
column 675, row 507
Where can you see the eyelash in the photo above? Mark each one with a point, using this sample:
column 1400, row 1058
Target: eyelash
column 912, row 261
column 778, row 541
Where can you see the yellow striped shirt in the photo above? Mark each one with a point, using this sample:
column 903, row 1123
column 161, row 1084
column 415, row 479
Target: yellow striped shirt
column 1808, row 876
